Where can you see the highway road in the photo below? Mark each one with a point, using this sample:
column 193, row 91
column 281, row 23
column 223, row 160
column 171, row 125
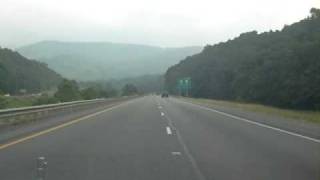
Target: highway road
column 153, row 138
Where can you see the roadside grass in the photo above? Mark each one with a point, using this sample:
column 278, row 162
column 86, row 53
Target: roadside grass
column 16, row 102
column 309, row 116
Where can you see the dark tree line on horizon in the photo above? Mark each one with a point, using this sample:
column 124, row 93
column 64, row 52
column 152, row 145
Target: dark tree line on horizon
column 279, row 68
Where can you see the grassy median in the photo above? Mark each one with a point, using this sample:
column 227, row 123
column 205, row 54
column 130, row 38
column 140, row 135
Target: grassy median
column 309, row 116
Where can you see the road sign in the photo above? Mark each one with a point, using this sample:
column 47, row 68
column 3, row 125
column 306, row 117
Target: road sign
column 184, row 86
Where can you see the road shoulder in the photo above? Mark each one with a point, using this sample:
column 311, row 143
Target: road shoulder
column 297, row 126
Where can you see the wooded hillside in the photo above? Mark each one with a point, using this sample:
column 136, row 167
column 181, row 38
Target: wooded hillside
column 18, row 73
column 280, row 68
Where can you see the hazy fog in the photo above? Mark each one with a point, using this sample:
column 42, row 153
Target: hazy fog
column 156, row 22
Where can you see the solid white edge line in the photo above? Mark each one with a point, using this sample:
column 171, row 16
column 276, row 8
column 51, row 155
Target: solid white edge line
column 169, row 132
column 255, row 123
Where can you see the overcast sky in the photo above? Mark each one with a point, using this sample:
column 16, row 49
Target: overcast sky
column 154, row 22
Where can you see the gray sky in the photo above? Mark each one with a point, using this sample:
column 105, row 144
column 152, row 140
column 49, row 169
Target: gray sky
column 154, row 22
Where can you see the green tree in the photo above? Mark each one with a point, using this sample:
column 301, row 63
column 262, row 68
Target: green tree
column 280, row 68
column 129, row 89
column 90, row 93
column 45, row 99
column 3, row 102
column 68, row 90
column 109, row 91
column 18, row 72
column 315, row 13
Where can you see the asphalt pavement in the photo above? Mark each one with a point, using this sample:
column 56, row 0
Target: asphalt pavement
column 153, row 138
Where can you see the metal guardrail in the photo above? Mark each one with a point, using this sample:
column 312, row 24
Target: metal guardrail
column 28, row 114
column 11, row 110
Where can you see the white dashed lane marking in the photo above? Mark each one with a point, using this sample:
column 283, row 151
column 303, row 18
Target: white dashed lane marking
column 169, row 132
column 176, row 153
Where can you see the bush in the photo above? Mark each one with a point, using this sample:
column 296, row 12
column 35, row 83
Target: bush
column 129, row 89
column 45, row 99
column 90, row 93
column 68, row 90
column 3, row 102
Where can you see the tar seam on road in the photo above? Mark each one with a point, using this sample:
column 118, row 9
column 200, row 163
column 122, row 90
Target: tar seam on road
column 255, row 123
column 193, row 162
column 26, row 138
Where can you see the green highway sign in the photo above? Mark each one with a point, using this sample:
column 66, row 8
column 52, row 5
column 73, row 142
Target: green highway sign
column 184, row 86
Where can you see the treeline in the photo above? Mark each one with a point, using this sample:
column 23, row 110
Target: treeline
column 280, row 68
column 145, row 84
column 21, row 75
column 25, row 82
column 69, row 90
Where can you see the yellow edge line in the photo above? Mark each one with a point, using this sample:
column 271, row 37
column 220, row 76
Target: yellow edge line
column 3, row 146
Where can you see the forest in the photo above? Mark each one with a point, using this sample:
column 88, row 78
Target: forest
column 21, row 75
column 26, row 82
column 278, row 68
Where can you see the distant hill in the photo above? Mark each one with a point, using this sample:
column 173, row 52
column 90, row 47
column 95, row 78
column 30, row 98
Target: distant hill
column 104, row 60
column 19, row 73
column 280, row 68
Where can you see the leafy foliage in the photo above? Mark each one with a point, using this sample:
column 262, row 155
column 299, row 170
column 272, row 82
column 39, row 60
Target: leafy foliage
column 3, row 102
column 16, row 101
column 145, row 83
column 18, row 72
column 68, row 90
column 129, row 89
column 97, row 89
column 90, row 93
column 280, row 68
column 45, row 99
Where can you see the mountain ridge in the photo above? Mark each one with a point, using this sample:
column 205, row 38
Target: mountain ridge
column 105, row 60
